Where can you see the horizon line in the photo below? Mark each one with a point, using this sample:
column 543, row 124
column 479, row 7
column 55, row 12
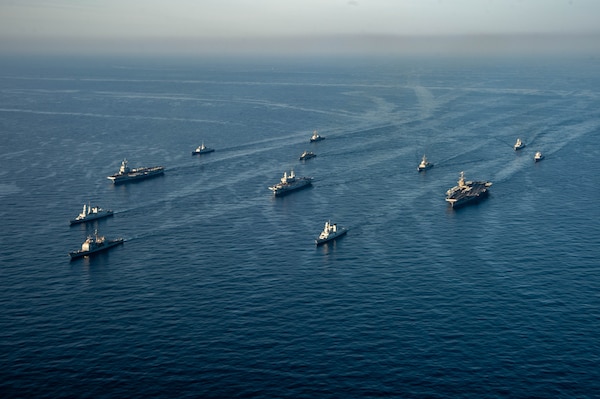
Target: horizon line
column 334, row 44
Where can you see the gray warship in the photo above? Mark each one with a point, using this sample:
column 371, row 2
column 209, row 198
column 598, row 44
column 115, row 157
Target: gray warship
column 126, row 174
column 94, row 244
column 91, row 213
column 289, row 183
column 467, row 192
column 330, row 232
column 202, row 149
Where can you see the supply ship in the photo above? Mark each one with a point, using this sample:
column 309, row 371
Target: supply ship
column 289, row 183
column 126, row 174
column 467, row 191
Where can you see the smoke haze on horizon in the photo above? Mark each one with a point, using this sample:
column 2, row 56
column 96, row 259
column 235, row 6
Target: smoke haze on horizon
column 297, row 27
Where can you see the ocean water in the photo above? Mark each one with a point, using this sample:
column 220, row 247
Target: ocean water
column 219, row 290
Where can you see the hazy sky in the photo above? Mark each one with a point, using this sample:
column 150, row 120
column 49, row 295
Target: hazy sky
column 293, row 25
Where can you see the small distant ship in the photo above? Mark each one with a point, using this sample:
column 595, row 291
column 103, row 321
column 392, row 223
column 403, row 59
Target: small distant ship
column 330, row 232
column 467, row 191
column 316, row 137
column 91, row 213
column 127, row 174
column 289, row 183
column 538, row 156
column 202, row 149
column 307, row 155
column 424, row 165
column 94, row 244
column 519, row 145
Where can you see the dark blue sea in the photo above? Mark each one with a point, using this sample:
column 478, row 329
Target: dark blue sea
column 219, row 290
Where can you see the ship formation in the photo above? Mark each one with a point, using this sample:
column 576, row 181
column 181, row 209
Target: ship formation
column 465, row 192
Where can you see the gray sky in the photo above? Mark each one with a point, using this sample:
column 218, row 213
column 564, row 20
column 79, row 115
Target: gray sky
column 190, row 26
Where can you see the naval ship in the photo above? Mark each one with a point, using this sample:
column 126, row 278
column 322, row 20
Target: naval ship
column 289, row 183
column 538, row 156
column 127, row 174
column 424, row 165
column 91, row 213
column 330, row 232
column 94, row 244
column 519, row 145
column 202, row 149
column 316, row 137
column 467, row 191
column 307, row 155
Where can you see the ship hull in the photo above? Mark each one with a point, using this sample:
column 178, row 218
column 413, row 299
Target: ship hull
column 321, row 241
column 110, row 244
column 459, row 203
column 202, row 152
column 280, row 192
column 90, row 218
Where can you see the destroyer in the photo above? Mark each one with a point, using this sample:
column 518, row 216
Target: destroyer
column 467, row 191
column 316, row 137
column 307, row 155
column 94, row 244
column 289, row 183
column 519, row 145
column 91, row 213
column 330, row 232
column 424, row 165
column 127, row 174
column 202, row 149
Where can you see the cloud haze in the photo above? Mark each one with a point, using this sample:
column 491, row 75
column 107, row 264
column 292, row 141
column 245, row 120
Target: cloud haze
column 318, row 26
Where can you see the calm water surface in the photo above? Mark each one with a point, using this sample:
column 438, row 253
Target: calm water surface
column 219, row 290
